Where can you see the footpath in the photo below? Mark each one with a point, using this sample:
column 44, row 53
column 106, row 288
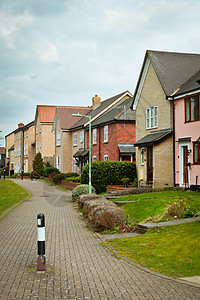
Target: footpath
column 79, row 267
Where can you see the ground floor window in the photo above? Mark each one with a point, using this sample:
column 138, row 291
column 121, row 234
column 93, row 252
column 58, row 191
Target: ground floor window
column 126, row 157
column 105, row 157
column 196, row 150
column 58, row 163
column 74, row 165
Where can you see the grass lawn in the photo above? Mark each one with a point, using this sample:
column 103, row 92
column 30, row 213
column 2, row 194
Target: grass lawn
column 10, row 194
column 173, row 251
column 154, row 204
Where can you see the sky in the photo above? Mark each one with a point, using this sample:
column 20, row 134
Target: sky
column 63, row 52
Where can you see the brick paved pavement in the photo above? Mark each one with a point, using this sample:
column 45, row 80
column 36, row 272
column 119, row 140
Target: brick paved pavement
column 80, row 267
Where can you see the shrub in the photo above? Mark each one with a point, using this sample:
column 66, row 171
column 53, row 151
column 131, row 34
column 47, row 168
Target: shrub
column 71, row 174
column 82, row 189
column 58, row 177
column 176, row 208
column 48, row 170
column 108, row 173
column 73, row 179
column 38, row 165
column 27, row 174
column 6, row 171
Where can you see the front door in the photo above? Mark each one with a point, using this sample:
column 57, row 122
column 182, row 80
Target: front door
column 185, row 167
column 149, row 164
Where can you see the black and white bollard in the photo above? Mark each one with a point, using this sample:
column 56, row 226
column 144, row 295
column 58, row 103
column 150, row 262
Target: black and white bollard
column 41, row 260
column 4, row 174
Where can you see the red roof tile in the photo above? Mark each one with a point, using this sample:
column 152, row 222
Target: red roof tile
column 65, row 115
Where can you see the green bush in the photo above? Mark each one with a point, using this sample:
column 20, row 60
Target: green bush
column 73, row 179
column 82, row 189
column 108, row 173
column 58, row 177
column 26, row 174
column 71, row 174
column 6, row 171
column 48, row 170
column 38, row 165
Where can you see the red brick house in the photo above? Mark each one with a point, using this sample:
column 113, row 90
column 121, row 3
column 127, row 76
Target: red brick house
column 113, row 134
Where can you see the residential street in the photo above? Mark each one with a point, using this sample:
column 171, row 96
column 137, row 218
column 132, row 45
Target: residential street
column 79, row 267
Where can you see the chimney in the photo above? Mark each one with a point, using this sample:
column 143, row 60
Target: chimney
column 96, row 101
column 20, row 125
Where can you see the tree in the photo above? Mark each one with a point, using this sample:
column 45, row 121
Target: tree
column 38, row 165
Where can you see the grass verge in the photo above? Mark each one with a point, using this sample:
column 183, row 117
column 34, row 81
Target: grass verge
column 10, row 195
column 156, row 203
column 172, row 251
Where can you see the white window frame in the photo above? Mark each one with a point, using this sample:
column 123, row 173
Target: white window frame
column 36, row 147
column 58, row 139
column 152, row 117
column 94, row 158
column 75, row 139
column 94, row 136
column 58, row 163
column 142, row 156
column 105, row 157
column 40, row 146
column 105, row 134
column 81, row 137
column 75, row 167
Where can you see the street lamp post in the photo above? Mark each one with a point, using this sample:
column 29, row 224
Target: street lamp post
column 90, row 173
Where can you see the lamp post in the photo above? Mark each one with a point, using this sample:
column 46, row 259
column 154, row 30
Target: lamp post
column 90, row 177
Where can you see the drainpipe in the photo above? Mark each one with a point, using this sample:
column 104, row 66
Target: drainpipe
column 99, row 143
column 173, row 141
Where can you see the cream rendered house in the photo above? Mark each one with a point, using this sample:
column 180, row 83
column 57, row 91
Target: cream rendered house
column 161, row 75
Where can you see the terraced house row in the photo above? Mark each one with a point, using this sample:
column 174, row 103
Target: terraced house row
column 158, row 126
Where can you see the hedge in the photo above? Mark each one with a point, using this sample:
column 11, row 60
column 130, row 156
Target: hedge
column 108, row 173
column 48, row 170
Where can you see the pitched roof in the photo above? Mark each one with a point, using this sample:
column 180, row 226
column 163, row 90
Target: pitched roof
column 172, row 69
column 190, row 85
column 119, row 112
column 65, row 115
column 46, row 113
column 25, row 127
column 153, row 137
column 100, row 108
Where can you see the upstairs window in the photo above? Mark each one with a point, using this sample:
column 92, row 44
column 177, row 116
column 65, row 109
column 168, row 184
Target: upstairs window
column 58, row 138
column 192, row 111
column 196, row 151
column 105, row 134
column 81, row 137
column 75, row 139
column 152, row 117
column 94, row 136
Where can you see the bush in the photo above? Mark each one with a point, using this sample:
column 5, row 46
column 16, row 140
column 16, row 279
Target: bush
column 58, row 177
column 38, row 165
column 6, row 171
column 82, row 189
column 48, row 170
column 71, row 174
column 26, row 174
column 108, row 173
column 175, row 209
column 73, row 179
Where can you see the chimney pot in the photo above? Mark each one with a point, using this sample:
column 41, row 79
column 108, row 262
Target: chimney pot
column 20, row 125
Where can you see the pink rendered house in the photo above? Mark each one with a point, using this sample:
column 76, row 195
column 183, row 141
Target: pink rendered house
column 187, row 133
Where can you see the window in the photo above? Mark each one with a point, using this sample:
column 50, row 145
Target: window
column 196, row 150
column 94, row 136
column 192, row 111
column 40, row 128
column 75, row 139
column 81, row 137
column 106, row 134
column 142, row 156
column 36, row 130
column 94, row 158
column 152, row 117
column 27, row 149
column 37, row 147
column 74, row 165
column 58, row 139
column 40, row 147
column 105, row 157
column 58, row 163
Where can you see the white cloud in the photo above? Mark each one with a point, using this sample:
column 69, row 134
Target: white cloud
column 10, row 26
column 46, row 51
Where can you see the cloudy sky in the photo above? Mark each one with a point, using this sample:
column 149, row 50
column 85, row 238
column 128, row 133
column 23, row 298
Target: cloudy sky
column 63, row 52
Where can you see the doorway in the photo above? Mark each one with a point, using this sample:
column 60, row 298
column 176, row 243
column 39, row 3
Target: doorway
column 149, row 164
